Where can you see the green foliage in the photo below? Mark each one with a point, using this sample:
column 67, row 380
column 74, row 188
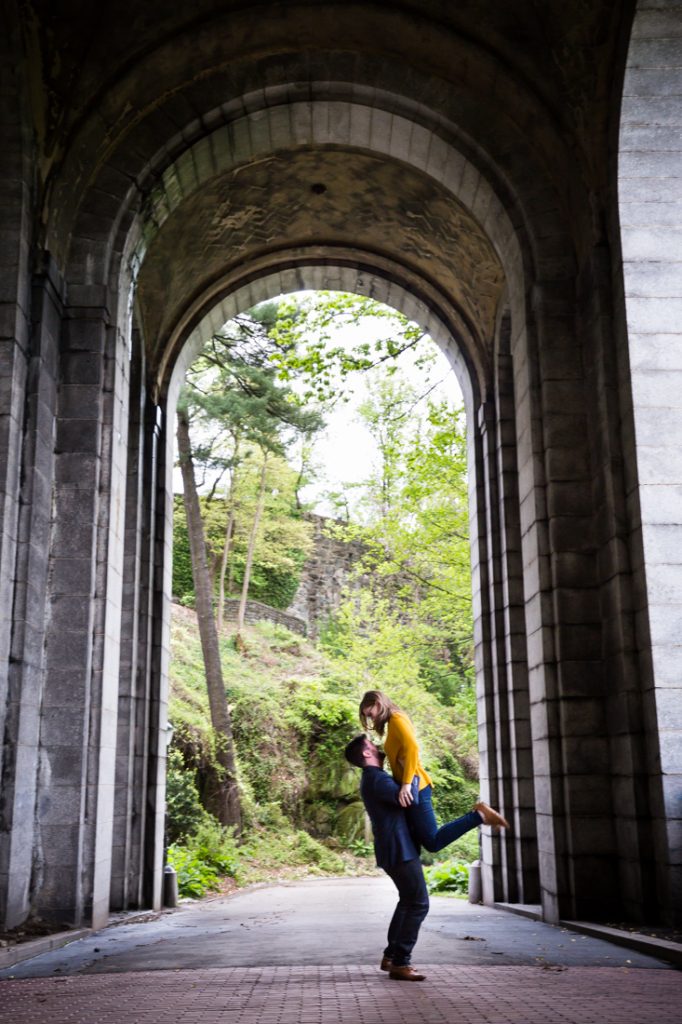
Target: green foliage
column 415, row 533
column 268, row 851
column 203, row 858
column 448, row 876
column 183, row 583
column 455, row 794
column 195, row 877
column 361, row 848
column 184, row 813
column 271, row 586
column 282, row 544
column 305, row 338
column 405, row 625
column 293, row 711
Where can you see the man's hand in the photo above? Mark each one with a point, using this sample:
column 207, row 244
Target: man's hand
column 405, row 795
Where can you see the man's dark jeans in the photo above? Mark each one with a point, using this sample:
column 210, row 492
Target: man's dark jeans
column 424, row 827
column 413, row 906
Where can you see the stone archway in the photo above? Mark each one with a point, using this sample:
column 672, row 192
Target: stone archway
column 189, row 208
column 465, row 168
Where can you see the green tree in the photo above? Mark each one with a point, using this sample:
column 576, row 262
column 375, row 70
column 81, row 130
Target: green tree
column 234, row 391
column 283, row 537
column 415, row 532
column 225, row 792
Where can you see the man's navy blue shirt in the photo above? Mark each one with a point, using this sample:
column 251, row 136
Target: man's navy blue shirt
column 393, row 843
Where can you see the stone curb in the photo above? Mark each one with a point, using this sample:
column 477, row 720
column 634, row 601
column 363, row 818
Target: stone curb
column 11, row 955
column 661, row 948
column 650, row 945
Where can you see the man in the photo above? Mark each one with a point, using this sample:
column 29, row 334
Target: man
column 396, row 853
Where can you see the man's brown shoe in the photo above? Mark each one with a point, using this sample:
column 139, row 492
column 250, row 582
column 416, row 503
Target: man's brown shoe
column 491, row 817
column 406, row 973
column 386, row 963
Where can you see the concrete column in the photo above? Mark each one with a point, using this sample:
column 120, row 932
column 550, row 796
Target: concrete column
column 537, row 582
column 142, row 720
column 498, row 699
column 15, row 288
column 650, row 206
column 26, row 669
column 489, row 738
column 78, row 730
column 571, row 745
column 506, row 704
column 161, row 420
column 623, row 683
column 577, row 726
column 522, row 800
column 129, row 804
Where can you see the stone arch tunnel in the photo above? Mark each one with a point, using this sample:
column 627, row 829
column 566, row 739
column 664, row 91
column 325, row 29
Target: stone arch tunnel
column 506, row 174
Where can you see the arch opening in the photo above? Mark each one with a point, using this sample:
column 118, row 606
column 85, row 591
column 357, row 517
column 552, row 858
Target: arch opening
column 384, row 283
column 468, row 168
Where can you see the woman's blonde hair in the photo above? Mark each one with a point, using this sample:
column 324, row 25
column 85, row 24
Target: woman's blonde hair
column 386, row 709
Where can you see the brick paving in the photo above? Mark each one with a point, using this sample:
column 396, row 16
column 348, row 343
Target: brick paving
column 349, row 995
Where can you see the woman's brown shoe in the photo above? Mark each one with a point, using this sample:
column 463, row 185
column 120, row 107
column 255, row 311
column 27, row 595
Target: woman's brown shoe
column 491, row 817
column 406, row 973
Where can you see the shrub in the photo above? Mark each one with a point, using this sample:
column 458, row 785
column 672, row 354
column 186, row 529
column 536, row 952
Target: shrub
column 448, row 876
column 270, row 849
column 203, row 858
column 195, row 876
column 361, row 848
column 184, row 813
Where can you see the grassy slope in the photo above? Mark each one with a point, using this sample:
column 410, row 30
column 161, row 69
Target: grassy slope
column 292, row 712
column 274, row 693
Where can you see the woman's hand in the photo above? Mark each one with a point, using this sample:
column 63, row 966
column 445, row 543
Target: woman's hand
column 405, row 795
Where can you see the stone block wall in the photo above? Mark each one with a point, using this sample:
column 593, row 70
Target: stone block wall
column 325, row 575
column 256, row 611
column 650, row 209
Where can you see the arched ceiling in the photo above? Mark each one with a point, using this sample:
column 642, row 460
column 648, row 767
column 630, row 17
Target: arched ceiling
column 326, row 200
column 563, row 53
column 116, row 85
column 525, row 90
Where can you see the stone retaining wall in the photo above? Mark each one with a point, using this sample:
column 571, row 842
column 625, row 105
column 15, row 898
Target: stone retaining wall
column 257, row 612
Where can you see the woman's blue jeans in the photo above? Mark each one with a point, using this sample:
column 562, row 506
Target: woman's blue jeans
column 424, row 827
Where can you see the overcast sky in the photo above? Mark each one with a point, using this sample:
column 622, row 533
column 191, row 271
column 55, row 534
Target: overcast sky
column 344, row 452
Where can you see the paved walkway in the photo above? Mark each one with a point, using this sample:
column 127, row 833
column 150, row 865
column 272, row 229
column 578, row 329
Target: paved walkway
column 308, row 954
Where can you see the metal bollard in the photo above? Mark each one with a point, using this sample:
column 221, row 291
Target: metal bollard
column 475, row 887
column 170, row 886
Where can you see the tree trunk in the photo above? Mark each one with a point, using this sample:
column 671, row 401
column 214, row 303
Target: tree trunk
column 226, row 797
column 250, row 551
column 223, row 569
column 228, row 540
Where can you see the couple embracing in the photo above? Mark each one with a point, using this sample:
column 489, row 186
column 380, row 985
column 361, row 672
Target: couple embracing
column 403, row 820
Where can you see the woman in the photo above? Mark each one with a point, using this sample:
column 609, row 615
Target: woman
column 378, row 712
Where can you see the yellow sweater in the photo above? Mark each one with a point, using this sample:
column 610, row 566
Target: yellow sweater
column 402, row 751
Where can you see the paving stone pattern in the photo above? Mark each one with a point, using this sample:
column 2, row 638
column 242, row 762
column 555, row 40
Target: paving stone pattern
column 359, row 994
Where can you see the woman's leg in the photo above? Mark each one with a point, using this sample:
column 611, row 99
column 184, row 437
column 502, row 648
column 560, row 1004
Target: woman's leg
column 424, row 827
